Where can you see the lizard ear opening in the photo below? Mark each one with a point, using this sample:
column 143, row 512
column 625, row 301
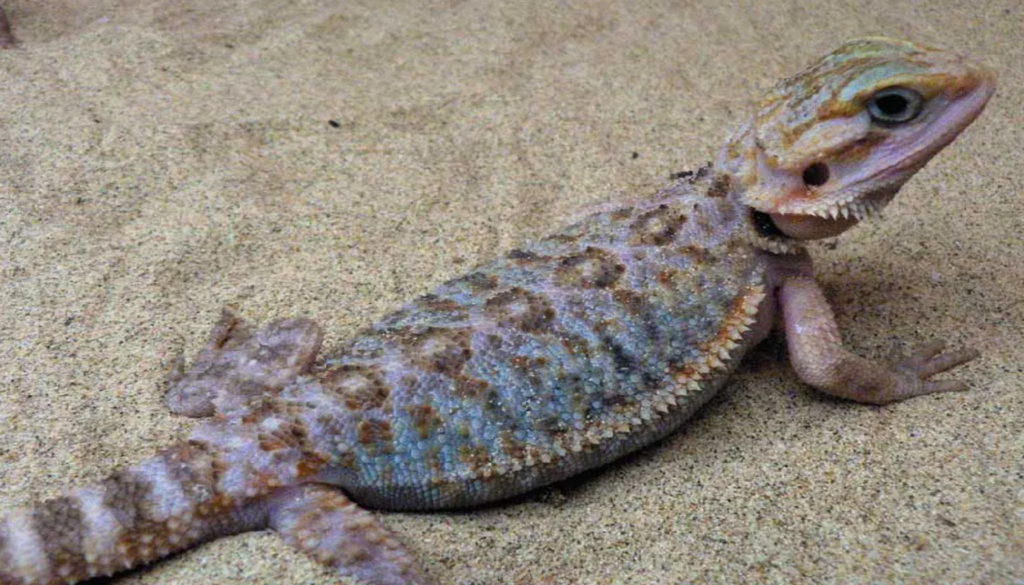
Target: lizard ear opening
column 816, row 175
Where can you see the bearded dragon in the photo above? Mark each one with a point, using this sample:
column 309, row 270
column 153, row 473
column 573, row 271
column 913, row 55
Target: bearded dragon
column 563, row 355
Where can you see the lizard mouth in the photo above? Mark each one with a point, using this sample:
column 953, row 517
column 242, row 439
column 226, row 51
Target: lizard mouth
column 857, row 203
column 766, row 235
column 858, row 206
column 811, row 227
column 830, row 218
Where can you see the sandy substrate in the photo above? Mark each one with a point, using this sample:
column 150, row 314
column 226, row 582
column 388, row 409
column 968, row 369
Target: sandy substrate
column 159, row 160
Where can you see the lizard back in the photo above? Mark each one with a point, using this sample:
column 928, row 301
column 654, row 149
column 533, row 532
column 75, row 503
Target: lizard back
column 560, row 356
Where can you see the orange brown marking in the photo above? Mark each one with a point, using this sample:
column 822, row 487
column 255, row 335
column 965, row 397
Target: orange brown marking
column 270, row 443
column 439, row 304
column 511, row 446
column 564, row 238
column 863, row 148
column 622, row 213
column 521, row 309
column 217, row 505
column 720, row 187
column 289, row 435
column 348, row 460
column 699, row 255
column 576, row 345
column 359, row 387
column 523, row 257
column 310, row 465
column 478, row 281
column 59, row 525
column 631, row 301
column 477, row 459
column 374, row 432
column 437, row 349
column 469, row 387
column 521, row 362
column 667, row 277
column 446, row 352
column 433, row 459
column 592, row 268
column 127, row 497
column 657, row 227
column 424, row 419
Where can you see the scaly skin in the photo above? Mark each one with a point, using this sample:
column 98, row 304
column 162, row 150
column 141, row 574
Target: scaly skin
column 559, row 357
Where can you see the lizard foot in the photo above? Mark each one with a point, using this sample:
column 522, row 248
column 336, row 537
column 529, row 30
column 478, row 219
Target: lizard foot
column 924, row 362
column 237, row 364
column 321, row 522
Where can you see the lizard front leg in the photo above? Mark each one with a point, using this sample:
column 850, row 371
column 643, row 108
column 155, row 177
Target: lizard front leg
column 237, row 364
column 818, row 356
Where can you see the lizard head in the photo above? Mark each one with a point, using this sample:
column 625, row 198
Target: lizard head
column 835, row 143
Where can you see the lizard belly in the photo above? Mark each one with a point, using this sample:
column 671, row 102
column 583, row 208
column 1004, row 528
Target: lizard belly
column 557, row 358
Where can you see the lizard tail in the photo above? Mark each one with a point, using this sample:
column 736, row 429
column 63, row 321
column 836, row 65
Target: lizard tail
column 165, row 504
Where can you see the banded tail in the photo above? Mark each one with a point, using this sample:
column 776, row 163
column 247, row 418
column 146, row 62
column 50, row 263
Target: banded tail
column 177, row 500
column 163, row 505
column 239, row 472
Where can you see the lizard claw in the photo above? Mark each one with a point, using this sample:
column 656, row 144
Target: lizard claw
column 926, row 361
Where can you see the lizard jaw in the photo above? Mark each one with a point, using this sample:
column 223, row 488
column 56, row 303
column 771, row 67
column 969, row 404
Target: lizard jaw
column 857, row 209
column 811, row 227
column 830, row 219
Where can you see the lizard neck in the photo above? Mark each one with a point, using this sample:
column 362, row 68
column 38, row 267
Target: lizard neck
column 735, row 169
column 738, row 159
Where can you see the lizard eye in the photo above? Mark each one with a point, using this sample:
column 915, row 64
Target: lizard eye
column 895, row 105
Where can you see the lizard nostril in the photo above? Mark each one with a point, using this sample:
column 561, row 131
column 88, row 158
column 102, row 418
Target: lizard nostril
column 816, row 175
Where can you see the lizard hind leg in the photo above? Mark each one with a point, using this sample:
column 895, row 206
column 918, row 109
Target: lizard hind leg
column 237, row 364
column 322, row 522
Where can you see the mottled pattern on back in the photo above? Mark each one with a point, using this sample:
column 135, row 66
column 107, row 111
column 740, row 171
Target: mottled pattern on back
column 555, row 348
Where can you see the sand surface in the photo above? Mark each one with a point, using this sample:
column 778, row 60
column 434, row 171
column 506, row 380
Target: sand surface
column 159, row 160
